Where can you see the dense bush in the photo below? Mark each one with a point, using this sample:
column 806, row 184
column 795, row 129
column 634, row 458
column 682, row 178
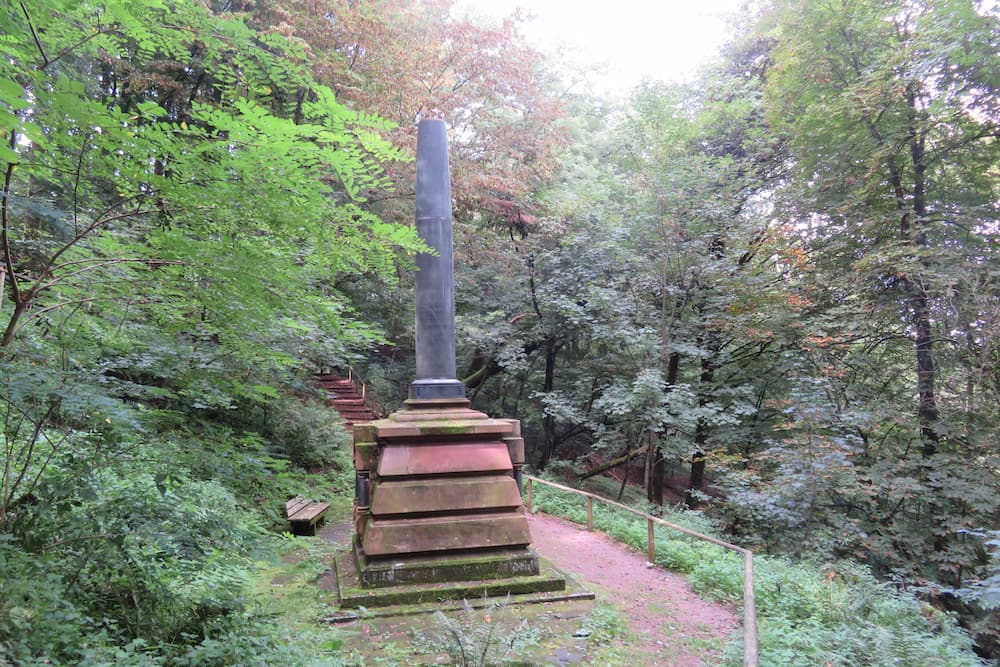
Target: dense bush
column 37, row 621
column 308, row 434
column 130, row 554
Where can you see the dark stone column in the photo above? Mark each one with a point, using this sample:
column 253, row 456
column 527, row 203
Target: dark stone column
column 435, row 289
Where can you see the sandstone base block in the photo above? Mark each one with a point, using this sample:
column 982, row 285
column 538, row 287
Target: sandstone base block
column 438, row 500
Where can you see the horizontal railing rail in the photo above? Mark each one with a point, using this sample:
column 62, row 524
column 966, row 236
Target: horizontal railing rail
column 750, row 644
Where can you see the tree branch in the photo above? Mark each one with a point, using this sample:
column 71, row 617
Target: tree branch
column 69, row 49
column 76, row 182
column 8, row 260
column 35, row 314
column 628, row 456
column 10, row 487
column 101, row 220
column 34, row 35
column 92, row 265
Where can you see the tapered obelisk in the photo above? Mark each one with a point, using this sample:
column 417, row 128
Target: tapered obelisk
column 437, row 501
column 435, row 291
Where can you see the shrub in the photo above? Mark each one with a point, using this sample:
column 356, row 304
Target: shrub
column 308, row 434
column 478, row 638
column 37, row 622
column 128, row 559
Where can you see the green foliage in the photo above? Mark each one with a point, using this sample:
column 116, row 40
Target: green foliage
column 896, row 167
column 308, row 434
column 164, row 554
column 260, row 642
column 179, row 196
column 37, row 621
column 742, row 273
column 559, row 503
column 170, row 225
column 125, row 556
column 735, row 273
column 840, row 614
column 987, row 591
column 476, row 637
column 132, row 555
column 200, row 196
column 258, row 478
column 604, row 624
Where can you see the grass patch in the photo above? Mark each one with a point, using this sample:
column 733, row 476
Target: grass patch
column 290, row 589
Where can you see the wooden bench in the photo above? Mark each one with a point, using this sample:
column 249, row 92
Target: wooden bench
column 305, row 515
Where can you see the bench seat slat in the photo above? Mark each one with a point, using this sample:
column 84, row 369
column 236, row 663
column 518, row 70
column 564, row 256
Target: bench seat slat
column 295, row 504
column 309, row 512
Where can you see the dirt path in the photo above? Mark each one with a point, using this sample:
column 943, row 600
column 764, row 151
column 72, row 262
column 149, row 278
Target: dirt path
column 671, row 624
column 668, row 625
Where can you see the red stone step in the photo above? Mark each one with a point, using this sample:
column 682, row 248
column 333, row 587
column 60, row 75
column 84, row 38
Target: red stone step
column 344, row 398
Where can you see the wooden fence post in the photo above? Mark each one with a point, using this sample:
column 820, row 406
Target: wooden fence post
column 751, row 649
column 650, row 541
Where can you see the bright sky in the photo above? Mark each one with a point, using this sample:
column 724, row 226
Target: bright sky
column 633, row 39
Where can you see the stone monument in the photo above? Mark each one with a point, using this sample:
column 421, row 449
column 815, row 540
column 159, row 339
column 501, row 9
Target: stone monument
column 438, row 509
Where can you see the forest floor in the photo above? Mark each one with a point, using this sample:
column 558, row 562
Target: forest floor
column 642, row 615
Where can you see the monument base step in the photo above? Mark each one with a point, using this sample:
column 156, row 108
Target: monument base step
column 437, row 568
column 353, row 594
column 347, row 615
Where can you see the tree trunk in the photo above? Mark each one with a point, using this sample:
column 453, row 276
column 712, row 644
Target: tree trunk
column 655, row 462
column 706, row 339
column 657, row 482
column 696, row 481
column 649, row 476
column 610, row 464
column 917, row 299
column 20, row 308
column 927, row 412
column 548, row 421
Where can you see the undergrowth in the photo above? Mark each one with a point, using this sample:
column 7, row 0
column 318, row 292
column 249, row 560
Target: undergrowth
column 808, row 613
column 480, row 637
column 604, row 624
column 143, row 549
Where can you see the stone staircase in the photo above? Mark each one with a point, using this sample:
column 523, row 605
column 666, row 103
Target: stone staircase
column 343, row 396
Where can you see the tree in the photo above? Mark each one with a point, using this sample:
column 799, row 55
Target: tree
column 401, row 59
column 150, row 166
column 890, row 114
column 704, row 165
column 891, row 110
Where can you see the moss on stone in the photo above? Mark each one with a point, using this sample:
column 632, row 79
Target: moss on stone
column 453, row 428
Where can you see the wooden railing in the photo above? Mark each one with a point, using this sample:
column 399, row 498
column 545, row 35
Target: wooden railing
column 750, row 645
column 362, row 388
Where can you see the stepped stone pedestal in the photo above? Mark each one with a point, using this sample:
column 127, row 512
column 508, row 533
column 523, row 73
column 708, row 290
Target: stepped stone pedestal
column 438, row 502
